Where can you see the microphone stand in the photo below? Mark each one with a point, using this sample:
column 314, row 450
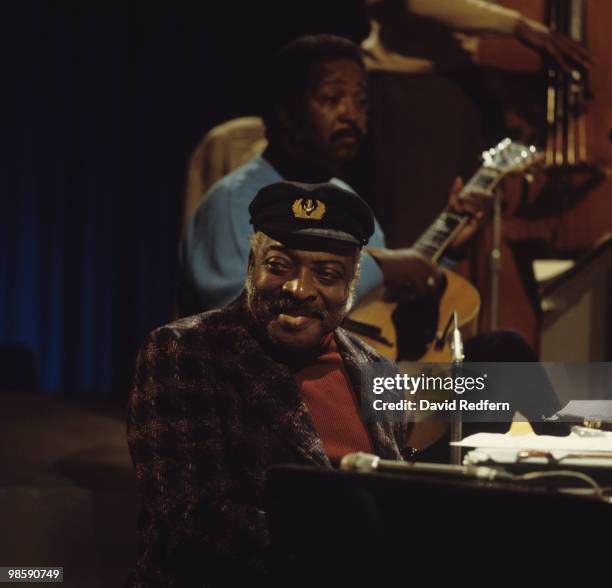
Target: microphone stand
column 457, row 368
column 495, row 259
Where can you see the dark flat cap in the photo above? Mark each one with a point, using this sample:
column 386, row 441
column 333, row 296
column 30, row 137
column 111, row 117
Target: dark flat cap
column 312, row 210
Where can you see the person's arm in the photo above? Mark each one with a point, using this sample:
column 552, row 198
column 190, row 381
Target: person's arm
column 470, row 16
column 406, row 273
column 476, row 205
column 479, row 17
column 371, row 275
column 193, row 524
column 214, row 251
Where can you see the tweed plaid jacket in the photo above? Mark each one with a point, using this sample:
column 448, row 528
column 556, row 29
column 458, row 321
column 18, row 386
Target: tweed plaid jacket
column 211, row 410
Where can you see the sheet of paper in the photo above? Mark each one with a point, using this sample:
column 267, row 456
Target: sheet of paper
column 567, row 458
column 572, row 443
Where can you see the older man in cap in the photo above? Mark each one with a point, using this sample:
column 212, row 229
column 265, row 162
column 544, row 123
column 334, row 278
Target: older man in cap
column 271, row 378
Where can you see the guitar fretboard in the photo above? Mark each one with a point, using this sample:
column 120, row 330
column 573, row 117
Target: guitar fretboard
column 434, row 241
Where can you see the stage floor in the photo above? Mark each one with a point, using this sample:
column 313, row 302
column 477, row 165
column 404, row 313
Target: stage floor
column 67, row 491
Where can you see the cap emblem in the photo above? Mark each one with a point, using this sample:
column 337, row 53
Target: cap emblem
column 308, row 208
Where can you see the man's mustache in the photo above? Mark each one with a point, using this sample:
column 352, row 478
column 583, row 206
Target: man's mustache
column 351, row 131
column 293, row 307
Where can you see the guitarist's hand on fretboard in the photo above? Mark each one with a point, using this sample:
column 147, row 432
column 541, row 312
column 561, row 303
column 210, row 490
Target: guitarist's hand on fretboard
column 407, row 274
column 475, row 204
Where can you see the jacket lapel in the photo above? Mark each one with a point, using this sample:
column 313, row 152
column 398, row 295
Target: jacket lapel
column 274, row 394
column 382, row 432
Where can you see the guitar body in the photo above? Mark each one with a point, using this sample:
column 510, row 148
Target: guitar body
column 459, row 295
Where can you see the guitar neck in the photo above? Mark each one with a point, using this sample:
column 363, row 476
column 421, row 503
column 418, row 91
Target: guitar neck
column 442, row 232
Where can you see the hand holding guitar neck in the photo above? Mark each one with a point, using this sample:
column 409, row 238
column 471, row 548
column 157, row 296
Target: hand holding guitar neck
column 475, row 205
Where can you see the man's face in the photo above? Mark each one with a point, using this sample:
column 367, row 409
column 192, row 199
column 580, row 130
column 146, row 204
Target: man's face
column 299, row 296
column 336, row 109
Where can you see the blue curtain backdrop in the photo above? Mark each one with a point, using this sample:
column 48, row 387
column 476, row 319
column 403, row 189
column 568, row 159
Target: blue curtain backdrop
column 107, row 100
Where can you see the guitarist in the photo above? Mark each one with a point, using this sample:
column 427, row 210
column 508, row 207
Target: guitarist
column 315, row 119
column 315, row 116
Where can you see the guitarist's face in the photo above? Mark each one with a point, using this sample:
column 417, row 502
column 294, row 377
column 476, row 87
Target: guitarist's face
column 299, row 296
column 333, row 122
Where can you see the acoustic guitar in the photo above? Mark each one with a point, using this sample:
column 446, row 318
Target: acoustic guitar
column 372, row 318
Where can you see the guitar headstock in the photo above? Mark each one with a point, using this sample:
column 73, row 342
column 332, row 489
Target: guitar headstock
column 508, row 156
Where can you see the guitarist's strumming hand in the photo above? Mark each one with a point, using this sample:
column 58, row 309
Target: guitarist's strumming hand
column 407, row 274
column 476, row 204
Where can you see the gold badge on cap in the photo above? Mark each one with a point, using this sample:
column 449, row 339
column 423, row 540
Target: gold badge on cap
column 308, row 208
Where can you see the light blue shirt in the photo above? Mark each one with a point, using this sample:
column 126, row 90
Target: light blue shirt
column 215, row 247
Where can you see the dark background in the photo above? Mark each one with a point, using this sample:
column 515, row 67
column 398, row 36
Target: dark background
column 106, row 102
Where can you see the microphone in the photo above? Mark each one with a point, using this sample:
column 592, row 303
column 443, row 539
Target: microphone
column 456, row 426
column 457, row 343
column 368, row 463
